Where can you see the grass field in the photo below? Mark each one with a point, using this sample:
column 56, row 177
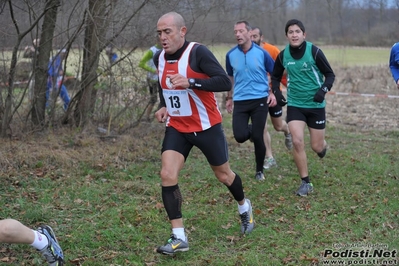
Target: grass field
column 337, row 55
column 103, row 200
column 341, row 56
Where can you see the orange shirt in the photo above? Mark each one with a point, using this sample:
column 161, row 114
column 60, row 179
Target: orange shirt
column 274, row 51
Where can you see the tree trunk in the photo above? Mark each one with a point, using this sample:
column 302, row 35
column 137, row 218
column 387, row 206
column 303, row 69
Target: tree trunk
column 41, row 64
column 96, row 25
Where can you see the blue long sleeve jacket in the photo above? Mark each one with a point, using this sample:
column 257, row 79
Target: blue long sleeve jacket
column 394, row 62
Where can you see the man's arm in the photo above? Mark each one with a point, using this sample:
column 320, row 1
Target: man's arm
column 204, row 61
column 324, row 67
column 229, row 97
column 143, row 62
column 160, row 93
column 277, row 75
column 278, row 71
column 230, row 92
column 269, row 62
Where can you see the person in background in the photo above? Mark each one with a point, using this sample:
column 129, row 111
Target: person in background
column 247, row 66
column 147, row 64
column 43, row 239
column 276, row 112
column 310, row 78
column 394, row 63
column 31, row 52
column 55, row 78
column 112, row 56
column 189, row 75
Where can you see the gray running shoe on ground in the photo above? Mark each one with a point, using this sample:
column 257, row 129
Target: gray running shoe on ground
column 53, row 252
column 305, row 189
column 247, row 220
column 259, row 176
column 288, row 141
column 269, row 163
column 173, row 245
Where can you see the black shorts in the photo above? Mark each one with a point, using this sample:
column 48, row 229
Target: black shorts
column 153, row 88
column 276, row 111
column 313, row 117
column 212, row 142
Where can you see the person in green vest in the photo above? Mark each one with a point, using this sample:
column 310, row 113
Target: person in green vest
column 310, row 77
column 147, row 64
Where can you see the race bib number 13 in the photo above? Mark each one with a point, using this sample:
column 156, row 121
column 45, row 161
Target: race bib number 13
column 177, row 102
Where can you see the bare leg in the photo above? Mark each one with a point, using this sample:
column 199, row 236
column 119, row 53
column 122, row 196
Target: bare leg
column 268, row 142
column 297, row 131
column 14, row 232
column 317, row 140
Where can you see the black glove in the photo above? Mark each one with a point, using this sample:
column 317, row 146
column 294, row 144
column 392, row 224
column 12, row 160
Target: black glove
column 280, row 97
column 320, row 94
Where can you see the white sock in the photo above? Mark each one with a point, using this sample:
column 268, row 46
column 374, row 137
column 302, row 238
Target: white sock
column 40, row 241
column 179, row 233
column 243, row 208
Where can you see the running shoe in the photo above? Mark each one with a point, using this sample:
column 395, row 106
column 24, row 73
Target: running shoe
column 305, row 189
column 173, row 245
column 269, row 163
column 247, row 220
column 259, row 176
column 53, row 252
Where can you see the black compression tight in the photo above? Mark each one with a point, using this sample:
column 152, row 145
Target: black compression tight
column 236, row 189
column 172, row 200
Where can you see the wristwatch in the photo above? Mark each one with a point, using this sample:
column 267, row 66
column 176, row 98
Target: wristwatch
column 191, row 81
column 325, row 89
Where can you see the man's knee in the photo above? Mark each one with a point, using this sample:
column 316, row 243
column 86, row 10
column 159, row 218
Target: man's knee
column 278, row 123
column 6, row 227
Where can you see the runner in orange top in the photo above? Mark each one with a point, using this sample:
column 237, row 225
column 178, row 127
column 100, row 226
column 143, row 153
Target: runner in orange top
column 275, row 112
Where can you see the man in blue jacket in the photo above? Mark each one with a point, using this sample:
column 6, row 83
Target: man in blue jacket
column 54, row 81
column 394, row 63
column 247, row 65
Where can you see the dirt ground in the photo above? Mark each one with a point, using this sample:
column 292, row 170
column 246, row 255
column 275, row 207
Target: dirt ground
column 364, row 112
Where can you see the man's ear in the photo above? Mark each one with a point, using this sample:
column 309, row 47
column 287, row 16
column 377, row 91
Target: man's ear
column 183, row 31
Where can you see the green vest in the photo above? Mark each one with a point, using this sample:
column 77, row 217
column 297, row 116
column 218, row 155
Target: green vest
column 304, row 79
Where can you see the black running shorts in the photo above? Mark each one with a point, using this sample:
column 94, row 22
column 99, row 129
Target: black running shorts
column 212, row 142
column 313, row 117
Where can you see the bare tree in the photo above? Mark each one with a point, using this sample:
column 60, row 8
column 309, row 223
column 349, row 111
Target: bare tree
column 6, row 109
column 46, row 41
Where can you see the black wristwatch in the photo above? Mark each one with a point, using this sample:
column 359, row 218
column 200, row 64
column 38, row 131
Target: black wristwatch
column 191, row 81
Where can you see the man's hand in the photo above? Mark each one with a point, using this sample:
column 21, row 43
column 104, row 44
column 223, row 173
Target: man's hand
column 271, row 100
column 177, row 80
column 229, row 105
column 161, row 115
column 279, row 97
column 320, row 94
